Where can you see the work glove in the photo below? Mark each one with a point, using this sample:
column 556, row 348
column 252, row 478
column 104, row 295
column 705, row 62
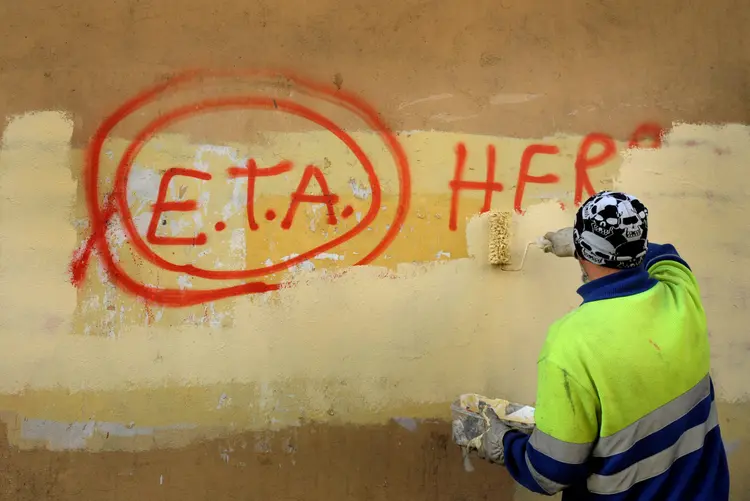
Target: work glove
column 489, row 443
column 491, row 447
column 559, row 243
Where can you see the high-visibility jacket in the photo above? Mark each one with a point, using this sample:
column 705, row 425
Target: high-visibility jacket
column 625, row 403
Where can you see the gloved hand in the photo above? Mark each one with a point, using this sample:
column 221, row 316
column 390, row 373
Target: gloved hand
column 488, row 443
column 490, row 446
column 559, row 243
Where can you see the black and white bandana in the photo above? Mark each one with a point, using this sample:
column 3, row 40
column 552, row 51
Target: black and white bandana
column 611, row 230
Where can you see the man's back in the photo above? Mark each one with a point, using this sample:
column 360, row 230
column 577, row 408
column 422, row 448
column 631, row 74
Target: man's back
column 625, row 406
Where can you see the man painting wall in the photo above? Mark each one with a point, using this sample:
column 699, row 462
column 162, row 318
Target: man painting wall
column 625, row 404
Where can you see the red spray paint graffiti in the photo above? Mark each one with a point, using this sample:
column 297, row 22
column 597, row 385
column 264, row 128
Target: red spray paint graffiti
column 595, row 150
column 161, row 206
column 523, row 173
column 327, row 198
column 252, row 172
column 458, row 183
column 647, row 135
column 117, row 203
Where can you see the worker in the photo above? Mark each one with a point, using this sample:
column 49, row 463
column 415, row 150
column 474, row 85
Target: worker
column 625, row 404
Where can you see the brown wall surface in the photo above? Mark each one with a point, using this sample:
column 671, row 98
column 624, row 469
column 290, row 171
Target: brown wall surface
column 315, row 462
column 513, row 69
column 601, row 65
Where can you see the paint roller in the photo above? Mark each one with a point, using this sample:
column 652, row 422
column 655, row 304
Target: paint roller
column 500, row 240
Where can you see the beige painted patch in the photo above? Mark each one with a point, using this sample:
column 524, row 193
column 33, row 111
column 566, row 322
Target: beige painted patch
column 36, row 236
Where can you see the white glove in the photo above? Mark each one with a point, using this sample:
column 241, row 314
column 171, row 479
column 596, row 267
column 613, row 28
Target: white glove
column 559, row 243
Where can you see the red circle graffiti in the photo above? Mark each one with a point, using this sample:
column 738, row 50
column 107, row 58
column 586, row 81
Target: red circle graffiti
column 270, row 214
column 101, row 215
column 232, row 103
column 220, row 226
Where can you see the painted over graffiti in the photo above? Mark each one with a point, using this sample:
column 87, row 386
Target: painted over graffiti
column 154, row 232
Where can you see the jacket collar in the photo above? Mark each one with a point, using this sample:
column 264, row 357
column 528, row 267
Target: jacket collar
column 621, row 284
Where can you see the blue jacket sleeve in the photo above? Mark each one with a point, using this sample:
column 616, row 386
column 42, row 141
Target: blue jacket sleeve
column 662, row 252
column 515, row 444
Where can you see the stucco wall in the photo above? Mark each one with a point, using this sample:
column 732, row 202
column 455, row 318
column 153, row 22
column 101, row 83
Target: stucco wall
column 262, row 372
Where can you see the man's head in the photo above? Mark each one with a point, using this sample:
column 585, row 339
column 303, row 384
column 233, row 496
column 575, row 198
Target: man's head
column 610, row 234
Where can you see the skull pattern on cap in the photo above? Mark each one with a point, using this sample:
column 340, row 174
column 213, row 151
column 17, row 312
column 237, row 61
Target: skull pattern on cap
column 611, row 230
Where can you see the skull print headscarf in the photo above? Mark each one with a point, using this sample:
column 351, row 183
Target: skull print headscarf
column 611, row 230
